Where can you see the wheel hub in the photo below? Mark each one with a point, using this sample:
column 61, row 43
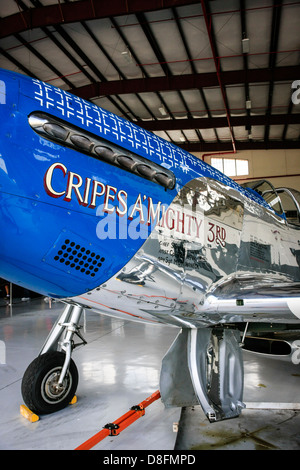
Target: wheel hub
column 53, row 391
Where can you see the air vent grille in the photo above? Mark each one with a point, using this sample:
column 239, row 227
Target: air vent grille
column 76, row 256
column 79, row 258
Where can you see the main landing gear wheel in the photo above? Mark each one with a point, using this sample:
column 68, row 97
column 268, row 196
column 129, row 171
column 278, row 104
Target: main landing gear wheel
column 40, row 388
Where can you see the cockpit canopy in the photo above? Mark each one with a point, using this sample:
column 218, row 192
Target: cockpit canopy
column 284, row 201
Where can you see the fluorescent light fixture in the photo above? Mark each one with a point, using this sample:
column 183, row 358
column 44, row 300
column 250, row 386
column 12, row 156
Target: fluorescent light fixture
column 162, row 111
column 245, row 45
column 127, row 56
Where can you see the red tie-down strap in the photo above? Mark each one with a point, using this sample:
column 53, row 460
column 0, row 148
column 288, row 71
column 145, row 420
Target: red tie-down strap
column 115, row 428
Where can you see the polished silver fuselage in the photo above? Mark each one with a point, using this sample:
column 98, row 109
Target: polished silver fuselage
column 215, row 256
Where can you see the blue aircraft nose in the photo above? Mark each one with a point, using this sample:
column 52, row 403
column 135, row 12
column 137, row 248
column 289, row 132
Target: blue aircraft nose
column 67, row 194
column 49, row 239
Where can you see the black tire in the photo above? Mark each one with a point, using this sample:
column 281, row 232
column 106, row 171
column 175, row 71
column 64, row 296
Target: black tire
column 39, row 389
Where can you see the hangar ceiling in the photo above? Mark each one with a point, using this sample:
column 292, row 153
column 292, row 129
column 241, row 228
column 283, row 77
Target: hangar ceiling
column 207, row 75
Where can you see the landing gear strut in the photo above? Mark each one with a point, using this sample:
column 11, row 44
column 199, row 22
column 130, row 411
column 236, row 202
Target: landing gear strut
column 51, row 380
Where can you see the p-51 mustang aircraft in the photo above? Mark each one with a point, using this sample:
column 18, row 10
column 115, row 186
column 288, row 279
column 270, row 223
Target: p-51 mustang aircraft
column 103, row 215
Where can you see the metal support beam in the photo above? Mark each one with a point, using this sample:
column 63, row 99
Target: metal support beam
column 185, row 82
column 209, row 27
column 225, row 147
column 276, row 18
column 82, row 10
column 208, row 123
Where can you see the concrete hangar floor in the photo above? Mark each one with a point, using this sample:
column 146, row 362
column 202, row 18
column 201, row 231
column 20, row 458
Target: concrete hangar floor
column 119, row 368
